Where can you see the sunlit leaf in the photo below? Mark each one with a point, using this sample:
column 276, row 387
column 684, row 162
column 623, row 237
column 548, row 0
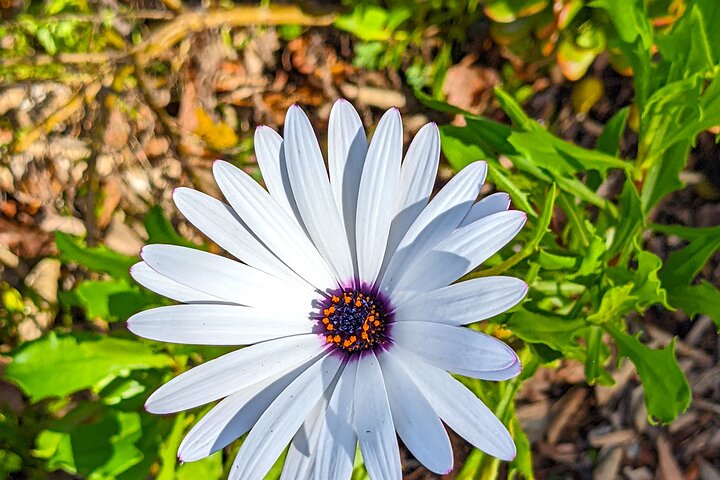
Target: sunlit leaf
column 667, row 393
column 55, row 366
column 97, row 259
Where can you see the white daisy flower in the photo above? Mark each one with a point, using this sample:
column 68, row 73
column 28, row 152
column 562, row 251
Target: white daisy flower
column 344, row 292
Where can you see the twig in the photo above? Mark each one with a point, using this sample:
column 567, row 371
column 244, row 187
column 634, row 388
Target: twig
column 99, row 18
column 86, row 94
column 165, row 37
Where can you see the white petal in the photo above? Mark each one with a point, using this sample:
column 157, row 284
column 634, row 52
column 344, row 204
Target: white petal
column 160, row 284
column 272, row 225
column 324, row 447
column 335, row 452
column 227, row 279
column 232, row 372
column 347, row 147
column 222, row 225
column 416, row 422
column 233, row 417
column 311, row 190
column 460, row 409
column 376, row 195
column 436, row 222
column 457, row 349
column 216, row 324
column 300, row 456
column 417, row 178
column 461, row 252
column 497, row 202
column 373, row 421
column 464, row 302
column 283, row 418
column 270, row 158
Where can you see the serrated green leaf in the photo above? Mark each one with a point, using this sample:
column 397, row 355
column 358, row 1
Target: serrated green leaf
column 648, row 287
column 556, row 332
column 97, row 259
column 57, row 366
column 552, row 261
column 703, row 298
column 683, row 265
column 615, row 304
column 645, row 281
column 551, row 153
column 667, row 393
column 686, row 46
column 591, row 262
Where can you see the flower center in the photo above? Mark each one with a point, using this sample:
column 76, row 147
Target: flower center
column 353, row 320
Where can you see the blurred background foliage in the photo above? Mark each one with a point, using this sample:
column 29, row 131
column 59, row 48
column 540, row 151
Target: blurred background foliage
column 600, row 118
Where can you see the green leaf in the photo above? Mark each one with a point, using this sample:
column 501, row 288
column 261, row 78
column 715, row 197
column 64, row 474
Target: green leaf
column 47, row 41
column 558, row 333
column 160, row 230
column 438, row 105
column 630, row 220
column 540, row 229
column 461, row 147
column 683, row 265
column 591, row 262
column 615, row 304
column 667, row 393
column 553, row 261
column 635, row 39
column 596, row 357
column 522, row 463
column 93, row 443
column 609, row 140
column 515, row 111
column 57, row 366
column 111, row 300
column 663, row 176
column 686, row 233
column 97, row 259
column 551, row 153
column 168, row 450
column 686, row 46
column 703, row 298
column 648, row 287
column 505, row 181
column 209, row 468
column 709, row 13
column 373, row 23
